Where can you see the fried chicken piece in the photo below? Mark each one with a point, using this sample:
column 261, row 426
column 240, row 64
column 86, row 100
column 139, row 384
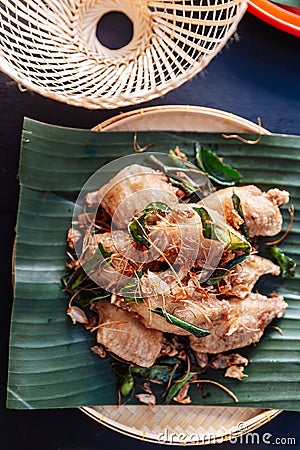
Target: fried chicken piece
column 261, row 209
column 127, row 256
column 180, row 235
column 125, row 336
column 196, row 308
column 242, row 279
column 245, row 324
column 119, row 243
column 277, row 197
column 116, row 241
column 130, row 191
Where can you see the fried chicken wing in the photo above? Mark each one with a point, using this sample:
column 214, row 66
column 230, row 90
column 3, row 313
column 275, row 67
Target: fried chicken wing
column 245, row 324
column 261, row 209
column 182, row 234
column 195, row 308
column 125, row 336
column 242, row 279
column 130, row 191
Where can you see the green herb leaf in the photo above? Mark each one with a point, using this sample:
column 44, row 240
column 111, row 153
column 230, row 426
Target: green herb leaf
column 182, row 182
column 175, row 388
column 81, row 274
column 220, row 273
column 105, row 253
column 182, row 174
column 286, row 264
column 131, row 291
column 179, row 162
column 198, row 332
column 213, row 228
column 133, row 300
column 215, row 168
column 236, row 201
column 138, row 233
column 137, row 226
column 157, row 372
column 125, row 380
column 126, row 383
column 156, row 207
column 86, row 297
column 178, row 178
column 231, row 239
column 207, row 222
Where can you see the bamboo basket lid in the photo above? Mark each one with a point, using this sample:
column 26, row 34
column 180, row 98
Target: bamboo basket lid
column 51, row 47
column 172, row 424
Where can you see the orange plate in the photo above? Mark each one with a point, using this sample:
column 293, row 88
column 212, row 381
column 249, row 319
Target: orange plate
column 275, row 15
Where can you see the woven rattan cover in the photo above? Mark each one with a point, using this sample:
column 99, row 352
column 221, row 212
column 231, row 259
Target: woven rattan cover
column 50, row 47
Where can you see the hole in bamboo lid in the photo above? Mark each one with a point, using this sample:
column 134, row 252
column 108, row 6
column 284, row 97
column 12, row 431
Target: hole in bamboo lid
column 114, row 30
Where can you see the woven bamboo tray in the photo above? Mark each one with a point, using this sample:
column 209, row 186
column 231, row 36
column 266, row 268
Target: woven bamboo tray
column 51, row 47
column 180, row 118
column 181, row 425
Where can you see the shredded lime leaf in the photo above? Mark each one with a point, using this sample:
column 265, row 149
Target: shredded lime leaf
column 198, row 332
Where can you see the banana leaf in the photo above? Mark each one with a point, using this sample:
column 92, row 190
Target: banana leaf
column 50, row 364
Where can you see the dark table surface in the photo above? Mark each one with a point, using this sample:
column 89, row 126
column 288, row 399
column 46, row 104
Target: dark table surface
column 255, row 75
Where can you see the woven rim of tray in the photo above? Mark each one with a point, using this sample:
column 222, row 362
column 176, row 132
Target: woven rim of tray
column 180, row 118
column 178, row 425
column 51, row 47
